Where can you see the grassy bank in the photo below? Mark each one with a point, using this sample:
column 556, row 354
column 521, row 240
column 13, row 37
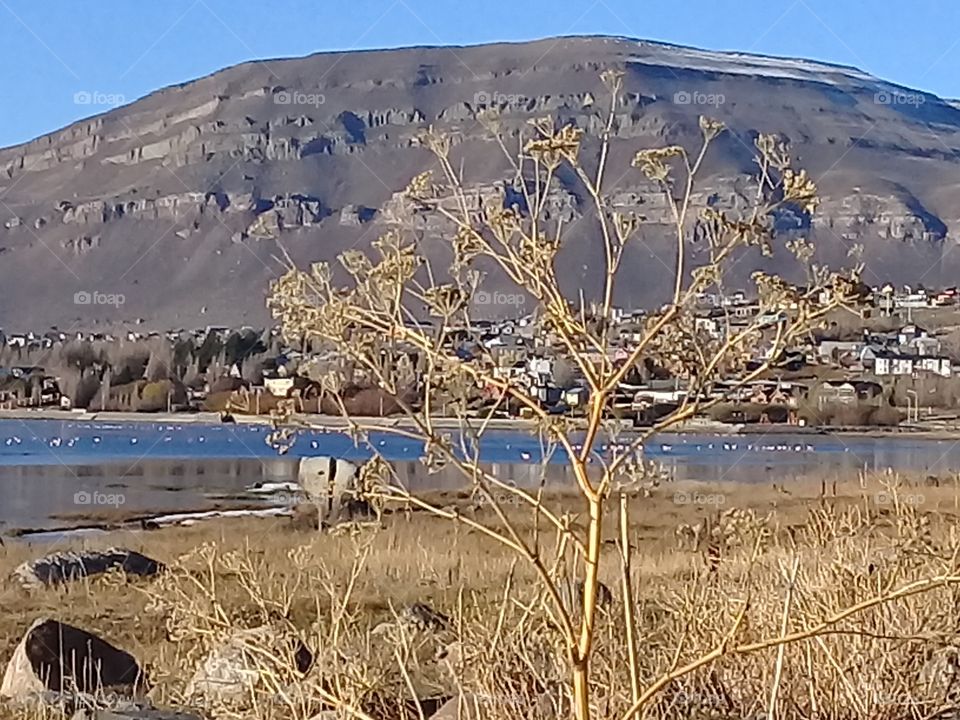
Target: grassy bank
column 730, row 566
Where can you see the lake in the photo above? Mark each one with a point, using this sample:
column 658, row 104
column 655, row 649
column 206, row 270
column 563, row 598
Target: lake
column 46, row 466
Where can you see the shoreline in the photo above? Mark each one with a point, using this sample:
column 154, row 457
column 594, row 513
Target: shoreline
column 325, row 422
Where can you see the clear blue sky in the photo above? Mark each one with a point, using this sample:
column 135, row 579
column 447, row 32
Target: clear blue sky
column 52, row 50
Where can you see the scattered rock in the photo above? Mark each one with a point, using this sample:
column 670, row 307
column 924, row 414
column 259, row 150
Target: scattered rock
column 129, row 711
column 233, row 671
column 356, row 215
column 19, row 681
column 62, row 658
column 604, row 596
column 458, row 708
column 424, row 618
column 64, row 567
column 415, row 618
column 331, row 485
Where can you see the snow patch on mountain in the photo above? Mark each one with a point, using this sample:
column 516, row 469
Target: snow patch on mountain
column 737, row 63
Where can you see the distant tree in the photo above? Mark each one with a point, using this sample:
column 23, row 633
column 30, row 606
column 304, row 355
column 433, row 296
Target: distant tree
column 192, row 375
column 184, row 352
column 86, row 389
column 159, row 364
column 209, row 350
column 251, row 370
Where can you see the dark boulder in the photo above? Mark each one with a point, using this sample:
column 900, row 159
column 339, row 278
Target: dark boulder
column 64, row 567
column 64, row 658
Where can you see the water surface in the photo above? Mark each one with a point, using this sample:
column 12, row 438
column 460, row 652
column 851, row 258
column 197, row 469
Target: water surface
column 57, row 473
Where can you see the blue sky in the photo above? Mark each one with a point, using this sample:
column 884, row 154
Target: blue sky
column 57, row 56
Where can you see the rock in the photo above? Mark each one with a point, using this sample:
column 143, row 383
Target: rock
column 604, row 596
column 102, row 706
column 62, row 658
column 19, row 681
column 458, row 708
column 64, row 567
column 356, row 215
column 130, row 711
column 415, row 618
column 266, row 226
column 331, row 485
column 234, row 670
column 424, row 618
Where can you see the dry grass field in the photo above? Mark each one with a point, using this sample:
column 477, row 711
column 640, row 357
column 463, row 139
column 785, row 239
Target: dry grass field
column 766, row 563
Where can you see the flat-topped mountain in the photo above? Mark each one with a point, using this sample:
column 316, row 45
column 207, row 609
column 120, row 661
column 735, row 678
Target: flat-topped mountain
column 181, row 201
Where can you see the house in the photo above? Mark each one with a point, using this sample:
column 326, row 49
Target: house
column 576, row 397
column 278, row 386
column 849, row 392
column 887, row 363
column 648, row 396
column 836, row 350
column 924, row 345
column 869, row 352
column 770, row 318
column 710, row 325
column 934, row 364
column 947, row 297
column 908, row 333
column 891, row 363
column 912, row 298
column 737, row 298
column 745, row 311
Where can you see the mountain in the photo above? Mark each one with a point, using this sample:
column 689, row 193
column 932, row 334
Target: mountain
column 182, row 201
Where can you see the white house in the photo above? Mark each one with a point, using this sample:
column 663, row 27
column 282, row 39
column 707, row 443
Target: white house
column 893, row 364
column 937, row 365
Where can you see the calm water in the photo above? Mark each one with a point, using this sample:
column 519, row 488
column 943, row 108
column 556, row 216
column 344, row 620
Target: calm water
column 170, row 467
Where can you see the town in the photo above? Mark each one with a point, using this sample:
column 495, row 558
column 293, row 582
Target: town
column 891, row 363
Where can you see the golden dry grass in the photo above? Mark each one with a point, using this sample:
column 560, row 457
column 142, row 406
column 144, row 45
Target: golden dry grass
column 847, row 543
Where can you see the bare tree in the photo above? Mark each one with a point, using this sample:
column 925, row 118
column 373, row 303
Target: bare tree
column 374, row 314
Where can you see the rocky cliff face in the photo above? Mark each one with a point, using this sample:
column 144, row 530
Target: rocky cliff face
column 182, row 201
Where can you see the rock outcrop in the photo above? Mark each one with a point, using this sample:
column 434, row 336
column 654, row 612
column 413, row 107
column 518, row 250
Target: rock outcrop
column 63, row 567
column 60, row 658
column 331, row 485
column 238, row 669
column 210, row 178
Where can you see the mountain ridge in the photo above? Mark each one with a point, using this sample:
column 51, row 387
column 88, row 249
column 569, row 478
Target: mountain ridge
column 181, row 200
